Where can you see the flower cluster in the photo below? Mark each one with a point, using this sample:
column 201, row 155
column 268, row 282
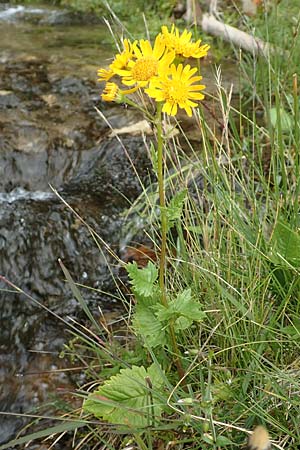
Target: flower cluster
column 157, row 71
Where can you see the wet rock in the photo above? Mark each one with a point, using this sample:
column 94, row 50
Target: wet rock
column 27, row 76
column 70, row 85
column 34, row 233
column 50, row 132
column 64, row 17
column 27, row 378
column 49, row 127
column 8, row 100
column 45, row 231
column 30, row 138
column 115, row 174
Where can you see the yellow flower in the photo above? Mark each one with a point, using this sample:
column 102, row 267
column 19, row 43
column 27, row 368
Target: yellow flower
column 121, row 59
column 182, row 44
column 120, row 62
column 177, row 89
column 110, row 92
column 105, row 74
column 149, row 62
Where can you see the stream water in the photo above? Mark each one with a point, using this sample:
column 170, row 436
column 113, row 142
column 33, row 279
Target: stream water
column 50, row 133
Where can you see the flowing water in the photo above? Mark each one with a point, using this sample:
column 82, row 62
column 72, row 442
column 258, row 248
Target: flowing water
column 50, row 134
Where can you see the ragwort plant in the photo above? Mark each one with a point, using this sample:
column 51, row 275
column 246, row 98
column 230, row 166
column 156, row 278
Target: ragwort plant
column 157, row 72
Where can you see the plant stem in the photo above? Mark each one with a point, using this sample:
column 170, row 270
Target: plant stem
column 135, row 105
column 296, row 142
column 162, row 204
column 163, row 223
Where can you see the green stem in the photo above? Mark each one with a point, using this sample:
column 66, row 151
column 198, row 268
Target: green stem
column 162, row 204
column 135, row 105
column 163, row 248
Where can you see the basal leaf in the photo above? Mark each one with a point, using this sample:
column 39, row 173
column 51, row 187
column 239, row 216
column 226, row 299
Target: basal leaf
column 143, row 280
column 221, row 441
column 125, row 398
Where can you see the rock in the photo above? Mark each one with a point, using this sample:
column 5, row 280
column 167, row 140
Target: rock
column 8, row 100
column 70, row 85
column 111, row 176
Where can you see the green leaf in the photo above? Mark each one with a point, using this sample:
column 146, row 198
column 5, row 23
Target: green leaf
column 187, row 306
column 293, row 330
column 223, row 441
column 175, row 206
column 65, row 426
column 183, row 310
column 197, row 229
column 182, row 323
column 208, row 438
column 285, row 246
column 285, row 119
column 125, row 398
column 147, row 325
column 143, row 280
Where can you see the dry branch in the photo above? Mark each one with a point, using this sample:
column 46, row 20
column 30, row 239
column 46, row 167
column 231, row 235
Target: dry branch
column 230, row 34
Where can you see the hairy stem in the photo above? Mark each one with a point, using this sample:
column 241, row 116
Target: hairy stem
column 163, row 223
column 162, row 204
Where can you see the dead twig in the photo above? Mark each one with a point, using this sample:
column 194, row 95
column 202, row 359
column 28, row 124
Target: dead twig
column 237, row 37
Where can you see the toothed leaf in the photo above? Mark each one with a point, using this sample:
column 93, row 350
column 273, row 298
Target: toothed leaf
column 147, row 325
column 184, row 310
column 174, row 208
column 143, row 280
column 125, row 398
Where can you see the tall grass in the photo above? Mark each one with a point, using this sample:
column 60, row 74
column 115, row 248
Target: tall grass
column 236, row 247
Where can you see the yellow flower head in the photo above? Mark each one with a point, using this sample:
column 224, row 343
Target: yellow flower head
column 105, row 74
column 182, row 44
column 147, row 62
column 121, row 59
column 110, row 92
column 177, row 89
column 120, row 62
